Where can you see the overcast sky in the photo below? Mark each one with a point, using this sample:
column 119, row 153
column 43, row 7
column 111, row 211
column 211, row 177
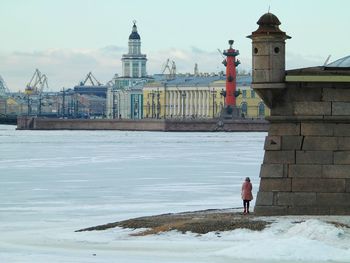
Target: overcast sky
column 65, row 39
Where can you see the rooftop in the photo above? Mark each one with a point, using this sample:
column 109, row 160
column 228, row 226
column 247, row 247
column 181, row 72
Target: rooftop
column 134, row 34
column 242, row 80
column 337, row 71
column 269, row 25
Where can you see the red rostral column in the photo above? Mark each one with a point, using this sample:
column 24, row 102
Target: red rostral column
column 231, row 63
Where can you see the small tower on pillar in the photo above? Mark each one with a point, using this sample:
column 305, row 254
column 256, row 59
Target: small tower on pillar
column 306, row 166
column 268, row 52
column 230, row 94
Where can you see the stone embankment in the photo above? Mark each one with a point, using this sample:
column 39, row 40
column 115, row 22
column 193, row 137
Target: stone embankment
column 212, row 125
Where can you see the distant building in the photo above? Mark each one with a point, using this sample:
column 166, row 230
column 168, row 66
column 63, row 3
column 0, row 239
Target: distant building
column 136, row 95
column 134, row 63
column 249, row 102
column 192, row 97
column 125, row 96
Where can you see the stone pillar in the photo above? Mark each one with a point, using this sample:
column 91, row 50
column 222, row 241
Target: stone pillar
column 200, row 104
column 306, row 166
column 171, row 103
column 196, row 102
column 178, row 96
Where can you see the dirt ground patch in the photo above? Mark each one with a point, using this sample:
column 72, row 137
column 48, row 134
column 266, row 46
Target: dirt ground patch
column 200, row 222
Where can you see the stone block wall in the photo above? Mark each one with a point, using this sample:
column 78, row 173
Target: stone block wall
column 246, row 125
column 306, row 167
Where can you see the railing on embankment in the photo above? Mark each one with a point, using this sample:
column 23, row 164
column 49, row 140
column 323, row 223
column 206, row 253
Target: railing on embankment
column 35, row 123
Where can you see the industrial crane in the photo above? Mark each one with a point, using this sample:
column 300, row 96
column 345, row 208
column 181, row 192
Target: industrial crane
column 92, row 79
column 37, row 84
column 4, row 91
column 171, row 68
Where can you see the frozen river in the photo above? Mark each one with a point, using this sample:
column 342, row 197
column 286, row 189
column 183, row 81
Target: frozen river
column 55, row 182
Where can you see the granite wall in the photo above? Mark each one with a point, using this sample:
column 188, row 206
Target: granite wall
column 306, row 167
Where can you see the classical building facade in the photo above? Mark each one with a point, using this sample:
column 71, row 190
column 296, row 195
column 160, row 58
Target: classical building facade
column 199, row 97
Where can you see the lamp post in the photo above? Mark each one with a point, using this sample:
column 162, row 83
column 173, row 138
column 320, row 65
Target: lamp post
column 153, row 105
column 28, row 105
column 148, row 109
column 113, row 104
column 63, row 102
column 39, row 106
column 158, row 104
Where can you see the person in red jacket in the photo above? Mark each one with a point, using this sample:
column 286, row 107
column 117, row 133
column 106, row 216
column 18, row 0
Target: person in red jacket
column 247, row 195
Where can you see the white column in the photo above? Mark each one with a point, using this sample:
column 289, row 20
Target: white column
column 204, row 103
column 179, row 94
column 178, row 103
column 170, row 108
column 197, row 103
column 208, row 102
column 192, row 103
column 200, row 103
column 140, row 72
column 164, row 106
column 183, row 101
column 187, row 103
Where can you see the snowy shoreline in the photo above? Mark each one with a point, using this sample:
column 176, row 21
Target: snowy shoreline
column 200, row 222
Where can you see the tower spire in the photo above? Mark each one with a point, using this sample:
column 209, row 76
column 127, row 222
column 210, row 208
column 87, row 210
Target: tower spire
column 134, row 63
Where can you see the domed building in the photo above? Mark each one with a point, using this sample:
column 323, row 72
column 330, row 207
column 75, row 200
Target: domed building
column 134, row 63
column 124, row 97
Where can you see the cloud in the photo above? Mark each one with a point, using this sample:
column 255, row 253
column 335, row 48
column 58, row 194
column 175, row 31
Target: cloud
column 63, row 67
column 111, row 49
column 185, row 60
column 197, row 50
column 67, row 67
column 298, row 60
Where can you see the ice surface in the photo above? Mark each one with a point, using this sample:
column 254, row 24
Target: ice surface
column 55, row 182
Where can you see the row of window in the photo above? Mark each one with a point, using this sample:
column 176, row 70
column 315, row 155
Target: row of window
column 244, row 94
column 261, row 109
column 135, row 69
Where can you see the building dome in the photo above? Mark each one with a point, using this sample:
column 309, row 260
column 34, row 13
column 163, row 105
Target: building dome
column 134, row 34
column 269, row 25
column 268, row 19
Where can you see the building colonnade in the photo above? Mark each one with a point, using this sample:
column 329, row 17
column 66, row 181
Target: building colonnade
column 174, row 102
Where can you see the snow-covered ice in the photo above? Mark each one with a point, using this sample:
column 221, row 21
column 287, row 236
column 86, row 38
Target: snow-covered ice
column 55, row 182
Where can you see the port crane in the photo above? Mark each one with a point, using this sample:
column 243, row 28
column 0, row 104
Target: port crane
column 169, row 66
column 37, row 84
column 91, row 78
column 4, row 90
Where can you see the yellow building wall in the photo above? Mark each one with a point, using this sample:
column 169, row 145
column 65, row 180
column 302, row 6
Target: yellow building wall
column 252, row 102
column 157, row 108
column 154, row 102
